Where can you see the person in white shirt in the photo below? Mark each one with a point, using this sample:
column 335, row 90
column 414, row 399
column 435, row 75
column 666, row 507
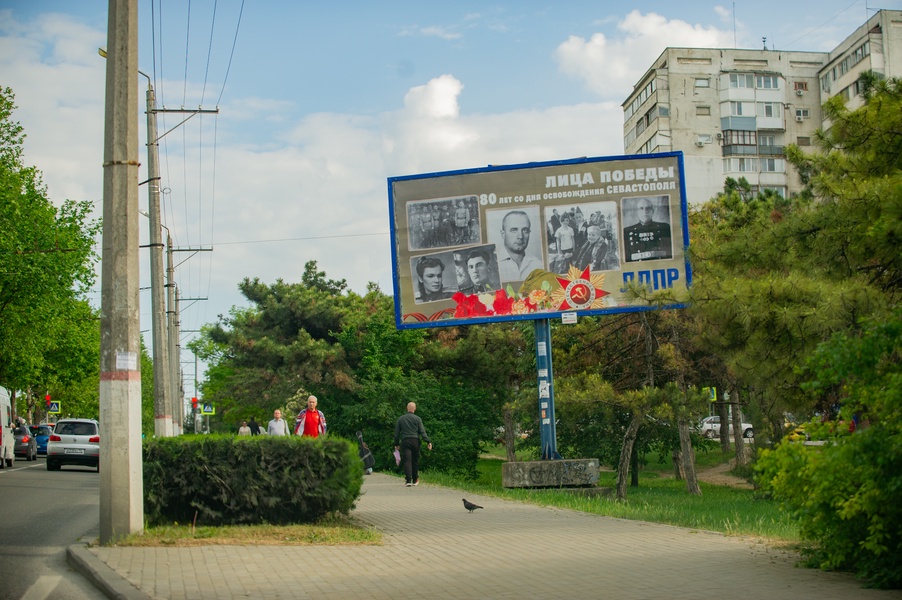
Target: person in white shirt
column 515, row 231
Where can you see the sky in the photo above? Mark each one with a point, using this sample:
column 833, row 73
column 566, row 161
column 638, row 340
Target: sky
column 320, row 102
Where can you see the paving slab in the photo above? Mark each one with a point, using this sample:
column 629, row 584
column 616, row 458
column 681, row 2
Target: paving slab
column 434, row 548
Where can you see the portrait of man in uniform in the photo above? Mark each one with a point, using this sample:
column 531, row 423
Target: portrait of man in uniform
column 481, row 270
column 649, row 237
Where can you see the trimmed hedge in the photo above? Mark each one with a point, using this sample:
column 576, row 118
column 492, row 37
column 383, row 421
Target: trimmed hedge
column 228, row 480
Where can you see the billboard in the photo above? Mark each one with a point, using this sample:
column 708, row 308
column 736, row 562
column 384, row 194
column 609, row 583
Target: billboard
column 536, row 240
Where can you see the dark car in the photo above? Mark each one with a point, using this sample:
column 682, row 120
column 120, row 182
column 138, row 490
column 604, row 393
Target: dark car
column 41, row 434
column 74, row 442
column 26, row 445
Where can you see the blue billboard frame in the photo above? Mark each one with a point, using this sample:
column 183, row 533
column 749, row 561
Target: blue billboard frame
column 625, row 184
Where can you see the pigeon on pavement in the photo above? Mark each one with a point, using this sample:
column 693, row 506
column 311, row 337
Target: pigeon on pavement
column 470, row 506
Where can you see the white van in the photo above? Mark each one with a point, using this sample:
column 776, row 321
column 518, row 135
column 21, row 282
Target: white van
column 7, row 439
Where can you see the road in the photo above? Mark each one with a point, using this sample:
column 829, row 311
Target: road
column 42, row 514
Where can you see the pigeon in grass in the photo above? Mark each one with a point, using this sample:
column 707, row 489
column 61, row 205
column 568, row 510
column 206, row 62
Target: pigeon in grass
column 470, row 506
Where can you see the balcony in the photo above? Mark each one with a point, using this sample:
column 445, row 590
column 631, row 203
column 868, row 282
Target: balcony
column 770, row 150
column 740, row 150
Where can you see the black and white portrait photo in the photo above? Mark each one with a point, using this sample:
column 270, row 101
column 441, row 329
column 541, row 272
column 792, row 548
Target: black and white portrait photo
column 648, row 237
column 517, row 236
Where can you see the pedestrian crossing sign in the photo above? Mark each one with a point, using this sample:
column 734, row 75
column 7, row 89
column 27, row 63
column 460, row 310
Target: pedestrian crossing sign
column 207, row 409
column 54, row 408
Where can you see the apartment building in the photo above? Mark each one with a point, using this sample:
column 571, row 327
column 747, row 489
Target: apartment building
column 733, row 111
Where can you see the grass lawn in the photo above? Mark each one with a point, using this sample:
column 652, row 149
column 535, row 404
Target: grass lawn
column 330, row 532
column 659, row 500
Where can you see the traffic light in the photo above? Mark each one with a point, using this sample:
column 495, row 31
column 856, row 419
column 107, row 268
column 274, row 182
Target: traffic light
column 47, row 400
column 194, row 403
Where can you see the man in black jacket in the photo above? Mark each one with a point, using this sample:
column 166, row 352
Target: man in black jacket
column 408, row 431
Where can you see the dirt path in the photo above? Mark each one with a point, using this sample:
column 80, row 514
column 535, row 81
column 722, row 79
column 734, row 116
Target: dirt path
column 720, row 475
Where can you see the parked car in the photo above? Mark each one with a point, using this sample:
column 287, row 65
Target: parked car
column 7, row 439
column 74, row 442
column 41, row 434
column 26, row 445
column 710, row 428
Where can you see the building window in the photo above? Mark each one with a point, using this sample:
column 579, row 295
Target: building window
column 704, row 138
column 771, row 165
column 742, row 80
column 650, row 146
column 803, row 141
column 703, row 111
column 768, row 82
column 740, row 165
column 702, row 82
column 768, row 109
column 780, row 191
column 801, row 86
column 735, row 109
column 802, row 112
column 739, row 138
column 640, row 99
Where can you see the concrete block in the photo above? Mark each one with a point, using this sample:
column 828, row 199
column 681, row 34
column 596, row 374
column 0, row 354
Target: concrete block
column 550, row 473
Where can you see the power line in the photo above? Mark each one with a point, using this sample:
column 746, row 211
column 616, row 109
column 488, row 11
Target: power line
column 187, row 47
column 153, row 42
column 834, row 17
column 300, row 239
column 209, row 52
column 231, row 54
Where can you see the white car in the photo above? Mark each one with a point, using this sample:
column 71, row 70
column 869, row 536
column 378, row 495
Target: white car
column 74, row 442
column 710, row 428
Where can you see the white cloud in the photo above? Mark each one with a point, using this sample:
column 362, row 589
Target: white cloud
column 439, row 32
column 610, row 67
column 436, row 99
column 53, row 68
column 429, row 31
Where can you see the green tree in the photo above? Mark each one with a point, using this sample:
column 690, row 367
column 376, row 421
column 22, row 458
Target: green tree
column 285, row 344
column 46, row 265
column 815, row 315
column 775, row 277
column 847, row 494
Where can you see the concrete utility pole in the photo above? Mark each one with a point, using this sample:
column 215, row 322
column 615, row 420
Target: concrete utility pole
column 121, row 477
column 178, row 411
column 176, row 332
column 162, row 399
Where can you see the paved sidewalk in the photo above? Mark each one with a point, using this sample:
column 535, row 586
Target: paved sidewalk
column 434, row 548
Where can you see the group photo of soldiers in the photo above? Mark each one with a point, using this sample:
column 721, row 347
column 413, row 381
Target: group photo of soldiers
column 443, row 223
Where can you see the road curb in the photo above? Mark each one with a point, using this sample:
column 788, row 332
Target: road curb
column 101, row 575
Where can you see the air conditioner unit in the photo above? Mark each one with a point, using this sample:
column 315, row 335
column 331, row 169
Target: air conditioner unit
column 699, row 143
column 719, row 136
column 800, row 118
column 799, row 92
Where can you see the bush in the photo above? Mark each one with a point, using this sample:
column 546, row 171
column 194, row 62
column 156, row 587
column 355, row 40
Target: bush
column 220, row 479
column 847, row 498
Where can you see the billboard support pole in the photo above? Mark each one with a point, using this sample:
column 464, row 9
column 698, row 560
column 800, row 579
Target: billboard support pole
column 547, row 426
